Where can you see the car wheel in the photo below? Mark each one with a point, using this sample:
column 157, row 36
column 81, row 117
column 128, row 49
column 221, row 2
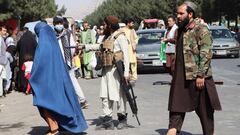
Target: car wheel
column 236, row 56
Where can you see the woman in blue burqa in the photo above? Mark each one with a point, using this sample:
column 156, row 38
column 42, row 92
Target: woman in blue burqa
column 53, row 91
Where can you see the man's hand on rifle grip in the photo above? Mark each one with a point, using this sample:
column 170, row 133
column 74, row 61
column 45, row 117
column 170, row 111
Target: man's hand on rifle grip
column 126, row 79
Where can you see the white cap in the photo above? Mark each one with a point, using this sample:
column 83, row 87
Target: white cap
column 192, row 5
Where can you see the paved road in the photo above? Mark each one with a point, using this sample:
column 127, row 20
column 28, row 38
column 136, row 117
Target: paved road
column 19, row 117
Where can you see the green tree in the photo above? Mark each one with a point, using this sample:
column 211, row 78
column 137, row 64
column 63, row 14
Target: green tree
column 61, row 11
column 209, row 10
column 230, row 9
column 136, row 9
column 5, row 13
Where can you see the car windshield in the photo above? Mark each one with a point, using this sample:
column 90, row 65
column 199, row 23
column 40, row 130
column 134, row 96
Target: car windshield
column 221, row 33
column 150, row 37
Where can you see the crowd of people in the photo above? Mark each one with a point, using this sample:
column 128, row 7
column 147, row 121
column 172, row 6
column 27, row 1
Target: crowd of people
column 16, row 48
column 61, row 55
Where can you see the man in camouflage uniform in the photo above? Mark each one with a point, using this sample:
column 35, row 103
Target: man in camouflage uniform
column 193, row 88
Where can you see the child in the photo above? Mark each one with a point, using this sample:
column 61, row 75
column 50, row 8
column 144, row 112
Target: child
column 27, row 67
column 77, row 63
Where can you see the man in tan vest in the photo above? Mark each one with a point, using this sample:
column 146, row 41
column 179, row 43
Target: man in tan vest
column 114, row 44
column 131, row 35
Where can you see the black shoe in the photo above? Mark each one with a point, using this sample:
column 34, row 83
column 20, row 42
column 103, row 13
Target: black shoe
column 122, row 125
column 122, row 121
column 107, row 124
column 84, row 105
column 4, row 93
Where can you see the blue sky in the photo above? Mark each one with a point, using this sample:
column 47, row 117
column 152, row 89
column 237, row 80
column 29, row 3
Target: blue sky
column 78, row 9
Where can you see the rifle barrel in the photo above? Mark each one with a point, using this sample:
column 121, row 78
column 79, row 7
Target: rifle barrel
column 137, row 120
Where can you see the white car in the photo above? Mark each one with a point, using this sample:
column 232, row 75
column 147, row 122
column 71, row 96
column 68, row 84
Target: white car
column 148, row 48
column 224, row 44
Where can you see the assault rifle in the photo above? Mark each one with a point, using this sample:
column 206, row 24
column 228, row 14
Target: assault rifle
column 127, row 90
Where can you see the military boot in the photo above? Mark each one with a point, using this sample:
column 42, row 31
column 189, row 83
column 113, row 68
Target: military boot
column 122, row 121
column 106, row 124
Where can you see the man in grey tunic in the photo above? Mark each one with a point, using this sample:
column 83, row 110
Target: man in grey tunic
column 65, row 39
column 3, row 57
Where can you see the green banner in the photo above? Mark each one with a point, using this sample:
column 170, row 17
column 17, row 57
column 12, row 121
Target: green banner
column 162, row 52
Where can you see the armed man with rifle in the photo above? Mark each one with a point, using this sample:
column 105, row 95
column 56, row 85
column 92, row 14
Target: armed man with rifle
column 115, row 85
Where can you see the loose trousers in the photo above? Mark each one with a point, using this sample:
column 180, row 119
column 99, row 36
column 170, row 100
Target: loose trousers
column 204, row 111
column 92, row 73
column 1, row 86
column 133, row 69
column 76, row 86
column 107, row 106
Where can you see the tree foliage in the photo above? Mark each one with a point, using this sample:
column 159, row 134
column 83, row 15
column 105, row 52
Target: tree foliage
column 29, row 10
column 61, row 11
column 210, row 10
column 228, row 8
column 137, row 9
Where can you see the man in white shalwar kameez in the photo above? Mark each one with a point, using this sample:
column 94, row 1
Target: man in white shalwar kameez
column 111, row 90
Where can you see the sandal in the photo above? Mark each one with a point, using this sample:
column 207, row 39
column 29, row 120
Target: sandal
column 53, row 132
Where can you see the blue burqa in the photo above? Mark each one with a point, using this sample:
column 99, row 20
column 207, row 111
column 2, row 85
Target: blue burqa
column 51, row 83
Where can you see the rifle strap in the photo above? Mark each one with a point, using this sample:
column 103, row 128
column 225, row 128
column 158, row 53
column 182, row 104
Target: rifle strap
column 118, row 34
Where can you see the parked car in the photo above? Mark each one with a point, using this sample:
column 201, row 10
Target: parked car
column 148, row 48
column 224, row 44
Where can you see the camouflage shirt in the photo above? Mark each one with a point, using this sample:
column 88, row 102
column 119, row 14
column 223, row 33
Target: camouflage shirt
column 197, row 45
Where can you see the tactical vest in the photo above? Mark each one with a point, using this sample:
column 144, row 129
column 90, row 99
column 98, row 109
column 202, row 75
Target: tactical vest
column 108, row 55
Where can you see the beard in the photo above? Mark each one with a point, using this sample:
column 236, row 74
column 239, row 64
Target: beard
column 107, row 32
column 184, row 23
column 131, row 27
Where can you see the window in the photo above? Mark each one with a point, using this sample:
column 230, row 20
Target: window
column 150, row 37
column 221, row 33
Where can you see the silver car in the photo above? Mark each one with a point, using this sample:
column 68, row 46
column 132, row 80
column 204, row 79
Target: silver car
column 148, row 48
column 224, row 44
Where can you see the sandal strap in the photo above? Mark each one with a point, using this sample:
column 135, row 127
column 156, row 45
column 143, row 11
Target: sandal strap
column 54, row 131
